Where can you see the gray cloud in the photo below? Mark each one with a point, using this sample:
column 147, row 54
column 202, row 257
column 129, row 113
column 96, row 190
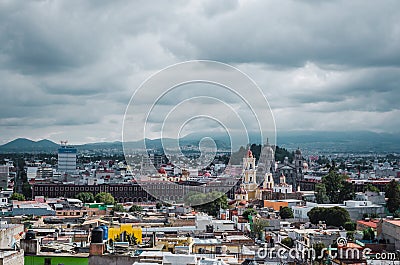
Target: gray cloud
column 68, row 69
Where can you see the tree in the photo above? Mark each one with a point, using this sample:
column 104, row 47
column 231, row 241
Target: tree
column 118, row 208
column 210, row 203
column 136, row 208
column 372, row 188
column 350, row 226
column 85, row 197
column 368, row 234
column 17, row 197
column 105, row 198
column 286, row 213
column 259, row 225
column 319, row 247
column 159, row 205
column 320, row 193
column 248, row 212
column 393, row 195
column 350, row 235
column 338, row 189
column 335, row 216
column 287, row 241
column 281, row 153
column 27, row 190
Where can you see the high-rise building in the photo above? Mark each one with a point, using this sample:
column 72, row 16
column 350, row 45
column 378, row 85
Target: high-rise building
column 4, row 171
column 66, row 159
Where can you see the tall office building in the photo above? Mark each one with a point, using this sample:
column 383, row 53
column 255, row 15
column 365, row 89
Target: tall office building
column 4, row 171
column 66, row 159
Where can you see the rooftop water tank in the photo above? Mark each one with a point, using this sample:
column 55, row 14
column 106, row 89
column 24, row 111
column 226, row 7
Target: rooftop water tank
column 30, row 235
column 105, row 232
column 97, row 235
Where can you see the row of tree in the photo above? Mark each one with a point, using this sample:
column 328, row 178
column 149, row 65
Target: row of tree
column 102, row 197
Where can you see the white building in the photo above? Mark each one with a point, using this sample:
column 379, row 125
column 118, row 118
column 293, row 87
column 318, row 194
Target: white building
column 4, row 195
column 356, row 209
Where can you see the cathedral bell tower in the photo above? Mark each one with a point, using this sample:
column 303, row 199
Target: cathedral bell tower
column 249, row 174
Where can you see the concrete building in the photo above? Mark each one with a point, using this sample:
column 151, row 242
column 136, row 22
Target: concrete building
column 4, row 172
column 390, row 231
column 10, row 234
column 11, row 257
column 31, row 208
column 66, row 159
column 4, row 195
column 356, row 209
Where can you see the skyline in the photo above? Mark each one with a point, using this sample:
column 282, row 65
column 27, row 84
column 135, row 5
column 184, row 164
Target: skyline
column 68, row 72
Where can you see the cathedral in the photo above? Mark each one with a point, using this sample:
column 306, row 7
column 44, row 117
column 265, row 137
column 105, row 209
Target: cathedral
column 268, row 175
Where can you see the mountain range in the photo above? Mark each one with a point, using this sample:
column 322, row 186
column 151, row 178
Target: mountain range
column 354, row 141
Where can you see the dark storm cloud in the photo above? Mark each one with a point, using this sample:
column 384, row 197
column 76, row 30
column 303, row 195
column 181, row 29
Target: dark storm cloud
column 355, row 33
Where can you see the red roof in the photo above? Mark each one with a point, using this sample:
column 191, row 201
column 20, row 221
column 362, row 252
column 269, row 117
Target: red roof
column 395, row 222
column 372, row 223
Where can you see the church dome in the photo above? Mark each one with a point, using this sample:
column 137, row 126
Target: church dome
column 298, row 152
column 268, row 149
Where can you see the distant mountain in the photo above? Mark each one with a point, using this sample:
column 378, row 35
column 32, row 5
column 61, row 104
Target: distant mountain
column 26, row 145
column 352, row 141
column 313, row 141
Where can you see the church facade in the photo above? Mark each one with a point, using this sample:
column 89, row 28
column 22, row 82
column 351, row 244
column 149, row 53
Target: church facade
column 269, row 176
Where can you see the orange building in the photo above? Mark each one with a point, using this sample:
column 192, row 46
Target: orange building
column 276, row 205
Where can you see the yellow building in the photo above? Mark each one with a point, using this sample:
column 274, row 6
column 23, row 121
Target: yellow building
column 249, row 176
column 116, row 231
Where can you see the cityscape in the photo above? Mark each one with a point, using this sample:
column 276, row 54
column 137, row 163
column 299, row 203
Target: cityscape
column 199, row 132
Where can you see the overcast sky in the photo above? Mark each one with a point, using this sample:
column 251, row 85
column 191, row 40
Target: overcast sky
column 69, row 68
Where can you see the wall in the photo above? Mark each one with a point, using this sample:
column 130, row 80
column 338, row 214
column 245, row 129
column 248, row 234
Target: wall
column 12, row 258
column 55, row 260
column 114, row 232
column 7, row 232
column 391, row 231
column 111, row 260
column 275, row 205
